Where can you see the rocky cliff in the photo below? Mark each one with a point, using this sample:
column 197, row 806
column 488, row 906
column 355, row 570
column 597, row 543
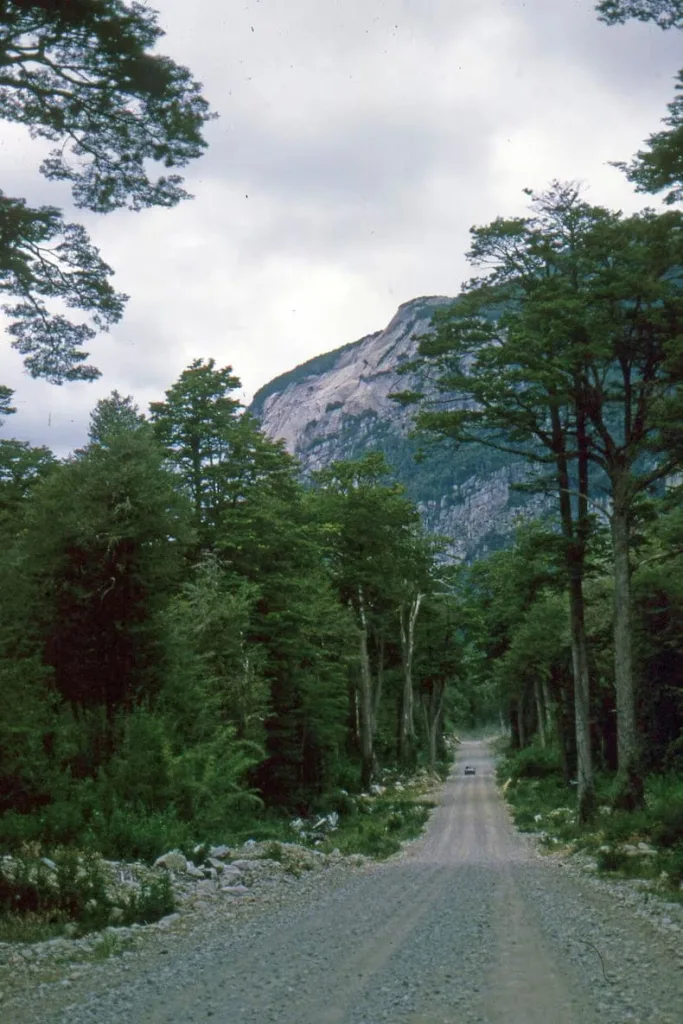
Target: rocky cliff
column 337, row 406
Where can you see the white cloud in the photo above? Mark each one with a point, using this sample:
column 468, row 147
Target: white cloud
column 357, row 143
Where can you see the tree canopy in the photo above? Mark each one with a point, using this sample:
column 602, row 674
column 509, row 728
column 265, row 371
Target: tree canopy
column 82, row 74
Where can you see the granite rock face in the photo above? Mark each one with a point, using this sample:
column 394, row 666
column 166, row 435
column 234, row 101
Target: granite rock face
column 337, row 406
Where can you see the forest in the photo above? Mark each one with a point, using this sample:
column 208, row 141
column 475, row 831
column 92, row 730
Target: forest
column 197, row 644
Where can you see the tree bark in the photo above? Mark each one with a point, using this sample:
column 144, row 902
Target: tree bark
column 575, row 548
column 365, row 714
column 630, row 794
column 379, row 682
column 540, row 712
column 407, row 728
column 433, row 707
column 521, row 731
column 547, row 705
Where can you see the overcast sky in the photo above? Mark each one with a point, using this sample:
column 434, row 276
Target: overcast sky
column 358, row 141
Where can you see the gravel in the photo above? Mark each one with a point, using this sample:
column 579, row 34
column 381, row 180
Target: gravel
column 468, row 924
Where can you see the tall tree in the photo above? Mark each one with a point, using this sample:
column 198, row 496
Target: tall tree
column 506, row 377
column 196, row 424
column 82, row 74
column 381, row 568
column 592, row 324
column 102, row 549
column 632, row 326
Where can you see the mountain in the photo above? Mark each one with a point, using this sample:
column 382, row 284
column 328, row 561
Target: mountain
column 337, row 406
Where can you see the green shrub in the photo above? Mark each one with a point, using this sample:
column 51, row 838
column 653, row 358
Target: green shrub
column 154, row 901
column 665, row 803
column 611, row 860
column 133, row 834
column 74, row 890
column 533, row 762
column 380, row 827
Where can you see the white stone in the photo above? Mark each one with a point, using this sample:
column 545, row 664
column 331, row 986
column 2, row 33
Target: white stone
column 174, row 860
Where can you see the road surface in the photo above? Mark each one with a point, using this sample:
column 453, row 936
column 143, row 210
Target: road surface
column 469, row 924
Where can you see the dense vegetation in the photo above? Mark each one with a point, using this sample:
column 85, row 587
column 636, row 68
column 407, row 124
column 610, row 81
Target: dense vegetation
column 194, row 645
column 190, row 637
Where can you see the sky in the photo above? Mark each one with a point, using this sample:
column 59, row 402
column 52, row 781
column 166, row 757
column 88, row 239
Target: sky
column 357, row 143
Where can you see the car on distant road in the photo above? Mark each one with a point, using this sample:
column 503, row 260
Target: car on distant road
column 469, row 770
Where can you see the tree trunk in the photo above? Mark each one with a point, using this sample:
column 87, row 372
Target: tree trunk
column 521, row 731
column 540, row 712
column 377, row 693
column 407, row 728
column 630, row 783
column 365, row 715
column 433, row 707
column 584, row 755
column 575, row 554
column 547, row 705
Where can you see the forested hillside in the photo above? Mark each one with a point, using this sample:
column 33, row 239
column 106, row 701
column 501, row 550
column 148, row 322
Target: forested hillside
column 338, row 406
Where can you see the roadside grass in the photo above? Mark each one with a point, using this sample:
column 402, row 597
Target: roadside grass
column 645, row 844
column 29, row 927
column 378, row 828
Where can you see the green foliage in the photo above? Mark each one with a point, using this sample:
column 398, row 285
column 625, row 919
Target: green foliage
column 104, row 540
column 541, row 803
column 665, row 807
column 660, row 166
column 138, row 834
column 113, row 415
column 74, row 890
column 154, row 901
column 82, row 76
column 39, row 896
column 379, row 828
column 665, row 13
column 533, row 762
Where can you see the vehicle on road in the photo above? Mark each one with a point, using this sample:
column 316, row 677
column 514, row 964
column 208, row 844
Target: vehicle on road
column 469, row 770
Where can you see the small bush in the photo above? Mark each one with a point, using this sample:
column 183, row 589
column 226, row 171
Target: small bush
column 665, row 802
column 75, row 890
column 154, row 901
column 132, row 834
column 611, row 860
column 380, row 827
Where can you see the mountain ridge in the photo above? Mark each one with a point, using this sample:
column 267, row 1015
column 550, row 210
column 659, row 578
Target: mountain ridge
column 336, row 406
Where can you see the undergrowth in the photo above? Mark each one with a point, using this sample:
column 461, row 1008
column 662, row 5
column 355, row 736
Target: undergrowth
column 67, row 894
column 646, row 843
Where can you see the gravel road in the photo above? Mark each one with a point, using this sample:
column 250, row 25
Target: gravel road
column 468, row 924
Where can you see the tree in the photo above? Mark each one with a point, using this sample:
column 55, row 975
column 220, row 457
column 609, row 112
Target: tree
column 633, row 398
column 438, row 664
column 113, row 415
column 196, row 425
column 212, row 663
column 381, row 568
column 81, row 74
column 592, row 326
column 6, row 409
column 21, row 467
column 501, row 362
column 660, row 166
column 102, row 547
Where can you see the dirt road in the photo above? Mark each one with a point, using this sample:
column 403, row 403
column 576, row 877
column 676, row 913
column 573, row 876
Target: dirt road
column 470, row 924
